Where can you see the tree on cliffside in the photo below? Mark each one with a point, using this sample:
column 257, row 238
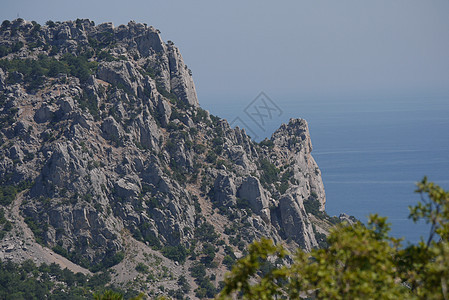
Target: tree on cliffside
column 361, row 262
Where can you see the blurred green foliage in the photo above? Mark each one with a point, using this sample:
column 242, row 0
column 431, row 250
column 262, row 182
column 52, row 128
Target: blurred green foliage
column 360, row 262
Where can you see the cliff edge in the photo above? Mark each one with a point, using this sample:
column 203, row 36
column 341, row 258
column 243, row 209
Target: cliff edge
column 102, row 135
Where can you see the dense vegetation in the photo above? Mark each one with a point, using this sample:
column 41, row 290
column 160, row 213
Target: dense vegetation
column 8, row 192
column 28, row 281
column 360, row 262
column 35, row 70
column 5, row 224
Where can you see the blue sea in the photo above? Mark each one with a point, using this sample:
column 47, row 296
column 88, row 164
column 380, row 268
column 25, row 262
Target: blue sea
column 371, row 151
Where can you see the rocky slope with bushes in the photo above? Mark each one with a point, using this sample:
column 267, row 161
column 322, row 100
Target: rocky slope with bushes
column 119, row 170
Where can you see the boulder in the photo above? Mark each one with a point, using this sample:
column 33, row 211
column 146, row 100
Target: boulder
column 251, row 190
column 225, row 190
column 126, row 189
column 121, row 73
column 295, row 222
column 43, row 114
column 111, row 129
column 164, row 111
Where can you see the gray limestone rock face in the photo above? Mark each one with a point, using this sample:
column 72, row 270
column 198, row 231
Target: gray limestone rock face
column 2, row 79
column 64, row 33
column 66, row 105
column 149, row 133
column 251, row 190
column 111, row 129
column 225, row 190
column 22, row 128
column 238, row 156
column 181, row 81
column 121, row 111
column 126, row 189
column 164, row 110
column 106, row 27
column 82, row 119
column 82, row 224
column 294, row 136
column 149, row 42
column 15, row 153
column 295, row 222
column 180, row 155
column 43, row 114
column 57, row 167
column 294, row 141
column 120, row 73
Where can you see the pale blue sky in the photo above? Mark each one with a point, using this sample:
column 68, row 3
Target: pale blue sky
column 320, row 48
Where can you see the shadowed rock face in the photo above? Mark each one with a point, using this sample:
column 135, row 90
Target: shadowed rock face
column 120, row 146
column 252, row 191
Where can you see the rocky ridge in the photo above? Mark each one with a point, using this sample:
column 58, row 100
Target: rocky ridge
column 102, row 133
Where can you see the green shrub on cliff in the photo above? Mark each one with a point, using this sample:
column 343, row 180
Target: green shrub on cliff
column 360, row 262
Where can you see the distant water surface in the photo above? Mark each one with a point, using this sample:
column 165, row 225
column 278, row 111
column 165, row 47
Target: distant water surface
column 370, row 151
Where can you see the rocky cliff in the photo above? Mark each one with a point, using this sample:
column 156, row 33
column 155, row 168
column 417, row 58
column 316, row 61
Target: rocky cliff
column 104, row 142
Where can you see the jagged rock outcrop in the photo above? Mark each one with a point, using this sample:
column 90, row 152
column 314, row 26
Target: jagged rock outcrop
column 293, row 140
column 251, row 190
column 108, row 141
column 180, row 77
column 111, row 129
column 225, row 190
column 295, row 222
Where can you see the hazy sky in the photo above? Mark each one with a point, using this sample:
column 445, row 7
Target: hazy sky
column 320, row 48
